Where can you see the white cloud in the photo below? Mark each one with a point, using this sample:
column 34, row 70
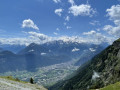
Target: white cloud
column 82, row 10
column 94, row 22
column 114, row 12
column 38, row 35
column 89, row 33
column 117, row 22
column 73, row 39
column 108, row 28
column 75, row 49
column 67, row 18
column 71, row 2
column 114, row 15
column 58, row 11
column 57, row 1
column 28, row 23
column 112, row 30
column 96, row 38
column 55, row 33
column 68, row 27
column 99, row 37
column 39, row 38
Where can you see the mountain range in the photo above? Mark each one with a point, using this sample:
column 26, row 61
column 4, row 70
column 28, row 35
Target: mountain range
column 48, row 62
column 56, row 52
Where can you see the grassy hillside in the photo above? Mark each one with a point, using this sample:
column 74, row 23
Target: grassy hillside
column 9, row 83
column 13, row 79
column 115, row 86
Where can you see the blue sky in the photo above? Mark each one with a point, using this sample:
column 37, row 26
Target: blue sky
column 59, row 18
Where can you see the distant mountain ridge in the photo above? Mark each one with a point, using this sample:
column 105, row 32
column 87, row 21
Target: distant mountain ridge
column 12, row 48
column 68, row 49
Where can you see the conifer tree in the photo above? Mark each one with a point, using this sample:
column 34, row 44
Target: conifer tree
column 31, row 81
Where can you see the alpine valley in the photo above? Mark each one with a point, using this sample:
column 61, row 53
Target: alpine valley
column 47, row 63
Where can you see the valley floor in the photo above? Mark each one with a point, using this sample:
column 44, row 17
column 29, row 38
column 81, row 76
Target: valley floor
column 45, row 76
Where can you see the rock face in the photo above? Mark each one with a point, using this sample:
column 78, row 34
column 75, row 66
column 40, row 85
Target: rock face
column 6, row 84
column 106, row 65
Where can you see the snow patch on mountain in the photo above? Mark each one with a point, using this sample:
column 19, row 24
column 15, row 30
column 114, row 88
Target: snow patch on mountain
column 75, row 49
column 43, row 53
column 92, row 49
